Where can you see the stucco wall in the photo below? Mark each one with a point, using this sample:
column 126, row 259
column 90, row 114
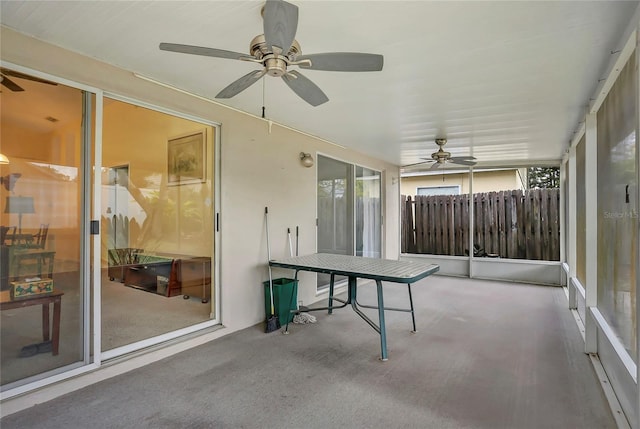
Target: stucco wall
column 483, row 181
column 259, row 167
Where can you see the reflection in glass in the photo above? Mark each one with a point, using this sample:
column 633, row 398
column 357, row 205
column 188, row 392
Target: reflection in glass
column 157, row 224
column 41, row 292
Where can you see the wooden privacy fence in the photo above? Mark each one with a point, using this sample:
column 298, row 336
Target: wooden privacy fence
column 508, row 224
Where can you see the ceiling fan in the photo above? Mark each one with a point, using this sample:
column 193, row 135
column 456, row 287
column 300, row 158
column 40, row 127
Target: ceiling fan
column 276, row 50
column 441, row 157
column 8, row 83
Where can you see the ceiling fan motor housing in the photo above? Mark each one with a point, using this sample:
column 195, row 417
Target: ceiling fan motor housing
column 275, row 64
column 441, row 155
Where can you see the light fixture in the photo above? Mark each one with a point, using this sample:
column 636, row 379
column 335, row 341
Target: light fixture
column 4, row 159
column 19, row 205
column 306, row 159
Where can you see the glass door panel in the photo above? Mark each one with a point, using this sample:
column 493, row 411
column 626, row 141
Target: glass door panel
column 335, row 210
column 157, row 224
column 368, row 213
column 42, row 295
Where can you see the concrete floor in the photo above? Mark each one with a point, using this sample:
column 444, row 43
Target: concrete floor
column 487, row 355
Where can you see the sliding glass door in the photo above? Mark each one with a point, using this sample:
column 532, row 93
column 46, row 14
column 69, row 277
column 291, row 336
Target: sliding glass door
column 157, row 225
column 45, row 131
column 368, row 213
column 349, row 211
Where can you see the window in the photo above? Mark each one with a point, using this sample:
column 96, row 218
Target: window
column 439, row 190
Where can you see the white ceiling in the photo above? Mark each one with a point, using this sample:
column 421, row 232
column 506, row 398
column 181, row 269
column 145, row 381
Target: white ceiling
column 504, row 81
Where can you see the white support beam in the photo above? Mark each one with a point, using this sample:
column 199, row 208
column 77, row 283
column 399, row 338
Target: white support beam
column 591, row 239
column 572, row 191
column 471, row 222
column 563, row 213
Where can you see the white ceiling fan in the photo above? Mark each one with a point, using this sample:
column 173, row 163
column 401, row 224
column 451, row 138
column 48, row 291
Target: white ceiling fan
column 441, row 157
column 277, row 50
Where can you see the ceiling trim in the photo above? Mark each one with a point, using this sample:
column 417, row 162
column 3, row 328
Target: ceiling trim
column 616, row 68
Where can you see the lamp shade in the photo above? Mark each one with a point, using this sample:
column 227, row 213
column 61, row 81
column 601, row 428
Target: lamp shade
column 19, row 205
column 4, row 159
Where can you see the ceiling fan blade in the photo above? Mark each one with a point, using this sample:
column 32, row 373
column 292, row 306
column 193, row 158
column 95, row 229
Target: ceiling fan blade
column 461, row 161
column 343, row 61
column 463, row 158
column 241, row 84
column 305, row 89
column 417, row 163
column 7, row 72
column 199, row 50
column 280, row 25
column 435, row 166
column 10, row 84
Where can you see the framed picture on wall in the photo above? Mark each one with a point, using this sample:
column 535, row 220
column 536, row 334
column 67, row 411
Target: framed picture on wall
column 186, row 158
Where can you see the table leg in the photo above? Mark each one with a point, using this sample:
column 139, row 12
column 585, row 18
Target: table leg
column 383, row 331
column 45, row 322
column 55, row 340
column 352, row 293
column 293, row 294
column 331, row 294
column 413, row 317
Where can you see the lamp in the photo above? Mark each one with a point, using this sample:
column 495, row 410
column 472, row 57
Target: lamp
column 3, row 159
column 19, row 205
column 306, row 159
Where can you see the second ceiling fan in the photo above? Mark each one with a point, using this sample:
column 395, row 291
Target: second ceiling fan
column 441, row 157
column 276, row 50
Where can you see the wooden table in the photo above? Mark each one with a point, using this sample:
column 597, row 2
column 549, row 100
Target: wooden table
column 55, row 297
column 355, row 267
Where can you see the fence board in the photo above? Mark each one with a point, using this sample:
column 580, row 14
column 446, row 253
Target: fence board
column 513, row 233
column 554, row 218
column 501, row 224
column 465, row 224
column 536, row 220
column 451, row 226
column 512, row 224
column 545, row 228
column 486, row 225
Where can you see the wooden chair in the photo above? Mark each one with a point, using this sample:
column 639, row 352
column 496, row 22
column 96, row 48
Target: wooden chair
column 40, row 239
column 8, row 235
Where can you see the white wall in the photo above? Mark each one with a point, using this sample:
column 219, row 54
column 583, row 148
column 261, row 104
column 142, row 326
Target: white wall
column 258, row 168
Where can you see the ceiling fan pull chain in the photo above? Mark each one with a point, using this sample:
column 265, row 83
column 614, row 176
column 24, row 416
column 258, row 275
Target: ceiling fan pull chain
column 263, row 109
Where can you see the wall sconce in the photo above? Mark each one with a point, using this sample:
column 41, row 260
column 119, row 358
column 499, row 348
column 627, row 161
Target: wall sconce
column 3, row 159
column 306, row 159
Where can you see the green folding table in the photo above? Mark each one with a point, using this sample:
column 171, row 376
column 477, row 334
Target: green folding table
column 354, row 267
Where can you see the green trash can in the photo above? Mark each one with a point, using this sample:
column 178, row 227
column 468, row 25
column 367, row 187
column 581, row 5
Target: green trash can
column 283, row 290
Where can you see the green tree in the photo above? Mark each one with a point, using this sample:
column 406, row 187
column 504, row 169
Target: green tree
column 543, row 177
